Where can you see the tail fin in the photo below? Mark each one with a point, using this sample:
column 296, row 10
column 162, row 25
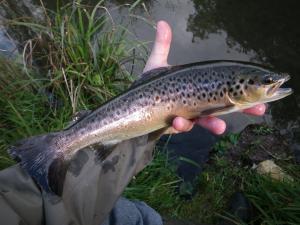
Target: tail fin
column 41, row 157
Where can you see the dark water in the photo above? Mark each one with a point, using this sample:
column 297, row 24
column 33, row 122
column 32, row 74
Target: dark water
column 263, row 31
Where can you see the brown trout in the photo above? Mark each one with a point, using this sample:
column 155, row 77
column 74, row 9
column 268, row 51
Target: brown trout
column 193, row 90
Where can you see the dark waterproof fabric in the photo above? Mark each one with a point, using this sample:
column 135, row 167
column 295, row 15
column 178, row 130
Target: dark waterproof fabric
column 91, row 189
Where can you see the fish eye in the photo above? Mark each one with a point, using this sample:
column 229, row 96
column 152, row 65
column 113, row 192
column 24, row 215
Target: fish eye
column 268, row 80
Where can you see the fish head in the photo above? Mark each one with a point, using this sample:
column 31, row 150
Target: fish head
column 258, row 88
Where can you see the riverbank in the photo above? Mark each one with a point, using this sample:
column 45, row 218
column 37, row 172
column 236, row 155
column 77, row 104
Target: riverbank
column 81, row 67
column 229, row 188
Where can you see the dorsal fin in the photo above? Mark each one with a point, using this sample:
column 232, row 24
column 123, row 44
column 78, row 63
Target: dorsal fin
column 151, row 74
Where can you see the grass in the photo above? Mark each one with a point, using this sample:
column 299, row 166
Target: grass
column 81, row 50
column 74, row 60
column 273, row 201
column 157, row 185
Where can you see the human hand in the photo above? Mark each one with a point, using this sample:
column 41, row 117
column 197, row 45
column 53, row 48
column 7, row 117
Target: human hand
column 158, row 58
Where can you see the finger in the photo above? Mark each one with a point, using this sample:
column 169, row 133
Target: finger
column 257, row 110
column 182, row 125
column 213, row 124
column 161, row 48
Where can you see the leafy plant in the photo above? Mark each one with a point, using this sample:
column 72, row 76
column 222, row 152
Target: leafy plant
column 263, row 130
column 226, row 142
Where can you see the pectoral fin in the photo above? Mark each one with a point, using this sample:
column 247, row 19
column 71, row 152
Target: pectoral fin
column 155, row 135
column 220, row 110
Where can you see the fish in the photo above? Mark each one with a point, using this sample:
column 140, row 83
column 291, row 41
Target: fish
column 201, row 89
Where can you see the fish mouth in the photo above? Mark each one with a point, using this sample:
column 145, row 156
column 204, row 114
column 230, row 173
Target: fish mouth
column 275, row 92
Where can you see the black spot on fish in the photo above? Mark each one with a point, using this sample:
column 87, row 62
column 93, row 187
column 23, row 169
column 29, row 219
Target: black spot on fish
column 210, row 94
column 198, row 97
column 228, row 83
column 221, row 94
column 246, row 87
column 241, row 81
column 206, row 81
column 199, row 80
column 250, row 82
column 231, row 90
column 212, row 86
column 184, row 101
column 188, row 95
column 215, row 98
column 235, row 94
column 241, row 92
column 203, row 95
column 237, row 87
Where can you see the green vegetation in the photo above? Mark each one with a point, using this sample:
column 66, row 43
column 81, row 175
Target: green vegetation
column 157, row 184
column 273, row 201
column 72, row 62
column 225, row 143
column 263, row 130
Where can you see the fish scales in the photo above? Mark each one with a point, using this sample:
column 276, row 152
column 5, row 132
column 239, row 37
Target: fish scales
column 189, row 91
column 150, row 107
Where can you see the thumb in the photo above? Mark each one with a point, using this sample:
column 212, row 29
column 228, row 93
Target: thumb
column 161, row 48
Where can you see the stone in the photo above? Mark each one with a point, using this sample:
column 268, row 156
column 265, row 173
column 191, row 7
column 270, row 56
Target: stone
column 268, row 167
